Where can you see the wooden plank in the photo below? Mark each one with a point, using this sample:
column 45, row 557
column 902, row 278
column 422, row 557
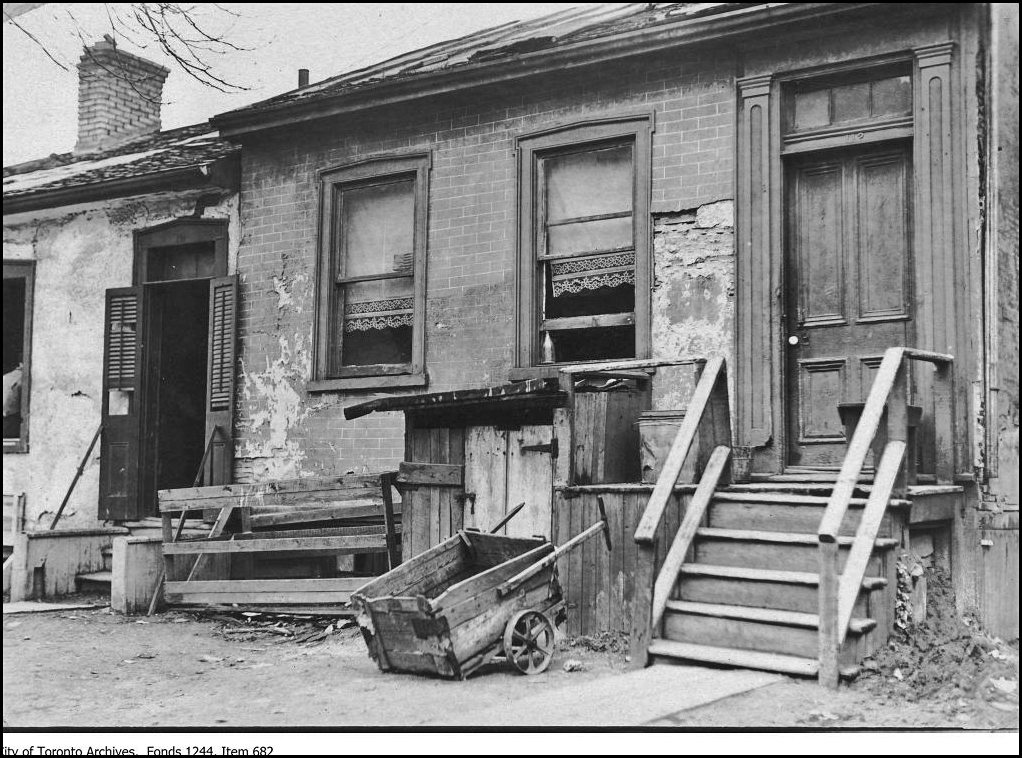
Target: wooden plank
column 337, row 584
column 829, row 645
column 576, row 592
column 352, row 544
column 587, row 322
column 529, row 480
column 511, row 584
column 391, row 530
column 888, row 473
column 456, row 457
column 362, row 509
column 192, row 597
column 668, row 572
column 327, row 531
column 417, row 522
column 679, row 451
column 491, row 578
column 444, row 495
column 485, row 476
column 308, row 485
column 492, row 549
column 407, row 578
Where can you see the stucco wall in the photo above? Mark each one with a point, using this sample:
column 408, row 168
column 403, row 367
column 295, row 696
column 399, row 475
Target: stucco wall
column 79, row 252
column 284, row 430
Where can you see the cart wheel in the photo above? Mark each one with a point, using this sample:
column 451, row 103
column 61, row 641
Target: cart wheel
column 529, row 642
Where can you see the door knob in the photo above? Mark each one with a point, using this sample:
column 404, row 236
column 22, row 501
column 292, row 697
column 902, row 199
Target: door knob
column 793, row 340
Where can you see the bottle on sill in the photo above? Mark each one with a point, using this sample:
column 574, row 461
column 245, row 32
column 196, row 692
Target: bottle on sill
column 548, row 349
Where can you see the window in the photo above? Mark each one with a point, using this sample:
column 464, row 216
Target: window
column 584, row 241
column 17, row 342
column 372, row 275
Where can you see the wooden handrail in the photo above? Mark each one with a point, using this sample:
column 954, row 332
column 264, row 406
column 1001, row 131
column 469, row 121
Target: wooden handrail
column 654, row 512
column 709, row 400
column 888, row 397
column 865, row 536
column 712, row 477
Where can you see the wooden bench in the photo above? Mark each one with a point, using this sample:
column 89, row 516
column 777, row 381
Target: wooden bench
column 271, row 528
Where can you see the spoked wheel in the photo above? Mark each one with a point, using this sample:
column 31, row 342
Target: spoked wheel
column 529, row 642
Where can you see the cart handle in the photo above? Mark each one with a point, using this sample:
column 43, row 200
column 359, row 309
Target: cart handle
column 602, row 526
column 510, row 515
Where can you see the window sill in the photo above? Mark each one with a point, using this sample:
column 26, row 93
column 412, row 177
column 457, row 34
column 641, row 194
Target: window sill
column 15, row 446
column 368, row 383
column 552, row 370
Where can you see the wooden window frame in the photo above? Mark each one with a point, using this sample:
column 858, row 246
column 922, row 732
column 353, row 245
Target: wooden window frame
column 180, row 231
column 332, row 181
column 531, row 147
column 23, row 270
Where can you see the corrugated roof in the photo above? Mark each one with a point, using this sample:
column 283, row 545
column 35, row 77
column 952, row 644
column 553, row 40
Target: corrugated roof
column 172, row 150
column 501, row 42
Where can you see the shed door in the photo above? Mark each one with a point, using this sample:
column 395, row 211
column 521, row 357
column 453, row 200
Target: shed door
column 849, row 288
column 223, row 318
column 119, row 449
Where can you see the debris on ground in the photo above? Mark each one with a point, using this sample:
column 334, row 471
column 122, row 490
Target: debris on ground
column 604, row 642
column 943, row 657
column 248, row 626
column 574, row 664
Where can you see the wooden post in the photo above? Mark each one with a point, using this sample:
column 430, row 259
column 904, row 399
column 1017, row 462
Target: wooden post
column 642, row 605
column 944, row 422
column 393, row 552
column 897, row 425
column 829, row 636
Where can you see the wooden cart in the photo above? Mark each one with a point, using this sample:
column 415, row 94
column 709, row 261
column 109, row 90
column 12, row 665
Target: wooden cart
column 466, row 602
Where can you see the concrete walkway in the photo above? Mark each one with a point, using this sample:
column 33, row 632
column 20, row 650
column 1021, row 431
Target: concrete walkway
column 636, row 698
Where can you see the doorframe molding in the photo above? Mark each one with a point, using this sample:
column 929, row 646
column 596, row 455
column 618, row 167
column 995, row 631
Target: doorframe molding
column 760, row 402
column 180, row 231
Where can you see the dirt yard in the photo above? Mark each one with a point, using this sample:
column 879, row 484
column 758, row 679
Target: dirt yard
column 91, row 668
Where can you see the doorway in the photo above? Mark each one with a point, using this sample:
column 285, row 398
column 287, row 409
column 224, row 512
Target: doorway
column 848, row 287
column 174, row 394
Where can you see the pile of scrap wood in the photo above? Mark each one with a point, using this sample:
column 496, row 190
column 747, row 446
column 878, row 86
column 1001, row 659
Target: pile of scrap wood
column 300, row 545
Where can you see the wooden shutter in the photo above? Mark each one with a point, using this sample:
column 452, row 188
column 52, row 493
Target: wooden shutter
column 223, row 316
column 122, row 381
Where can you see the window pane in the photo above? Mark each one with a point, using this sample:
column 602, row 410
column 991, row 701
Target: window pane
column 377, row 322
column 589, row 184
column 594, row 344
column 14, row 354
column 892, row 97
column 851, row 102
column 812, row 109
column 377, row 229
column 590, row 236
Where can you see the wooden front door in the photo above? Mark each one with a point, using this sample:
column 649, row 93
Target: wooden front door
column 848, row 287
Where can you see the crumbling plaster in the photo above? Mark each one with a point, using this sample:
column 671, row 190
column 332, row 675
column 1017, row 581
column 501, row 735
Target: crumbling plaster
column 79, row 252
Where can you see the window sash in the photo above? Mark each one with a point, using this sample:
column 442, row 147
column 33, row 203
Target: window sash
column 23, row 270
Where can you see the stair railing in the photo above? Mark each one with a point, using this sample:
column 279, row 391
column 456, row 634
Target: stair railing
column 887, row 404
column 709, row 416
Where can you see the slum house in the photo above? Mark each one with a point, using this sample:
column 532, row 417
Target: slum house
column 780, row 233
column 117, row 259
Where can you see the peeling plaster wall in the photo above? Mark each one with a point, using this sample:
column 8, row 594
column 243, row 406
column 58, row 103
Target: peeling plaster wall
column 79, row 252
column 285, row 430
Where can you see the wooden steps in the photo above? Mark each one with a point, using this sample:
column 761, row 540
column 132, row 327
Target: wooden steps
column 747, row 594
column 724, row 656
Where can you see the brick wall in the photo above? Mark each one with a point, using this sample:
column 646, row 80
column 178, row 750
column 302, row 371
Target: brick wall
column 284, row 430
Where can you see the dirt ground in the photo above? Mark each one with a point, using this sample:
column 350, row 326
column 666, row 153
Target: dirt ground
column 92, row 668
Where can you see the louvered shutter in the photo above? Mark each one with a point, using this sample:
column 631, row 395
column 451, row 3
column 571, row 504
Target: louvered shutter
column 223, row 318
column 122, row 371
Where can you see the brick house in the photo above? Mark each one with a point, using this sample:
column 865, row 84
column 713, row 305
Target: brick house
column 794, row 188
column 108, row 250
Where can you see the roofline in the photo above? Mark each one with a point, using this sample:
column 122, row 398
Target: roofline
column 652, row 39
column 214, row 173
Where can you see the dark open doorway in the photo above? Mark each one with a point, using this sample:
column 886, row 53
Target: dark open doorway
column 174, row 416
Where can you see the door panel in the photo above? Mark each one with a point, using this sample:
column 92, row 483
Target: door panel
column 119, row 448
column 848, row 287
column 223, row 315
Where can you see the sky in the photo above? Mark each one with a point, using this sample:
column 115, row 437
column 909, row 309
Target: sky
column 277, row 39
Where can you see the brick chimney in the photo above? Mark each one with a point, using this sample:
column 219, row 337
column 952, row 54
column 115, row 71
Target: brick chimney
column 119, row 96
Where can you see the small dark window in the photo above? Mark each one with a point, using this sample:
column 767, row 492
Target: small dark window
column 372, row 271
column 17, row 342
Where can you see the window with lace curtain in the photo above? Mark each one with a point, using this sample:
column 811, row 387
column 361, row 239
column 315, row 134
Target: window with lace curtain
column 372, row 263
column 584, row 241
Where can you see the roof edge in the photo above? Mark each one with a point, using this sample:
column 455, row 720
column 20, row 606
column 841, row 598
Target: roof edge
column 216, row 173
column 684, row 32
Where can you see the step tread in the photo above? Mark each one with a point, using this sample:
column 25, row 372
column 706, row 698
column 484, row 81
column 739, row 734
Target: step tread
column 794, row 538
column 766, row 615
column 770, row 575
column 753, row 659
column 96, row 576
column 792, row 498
